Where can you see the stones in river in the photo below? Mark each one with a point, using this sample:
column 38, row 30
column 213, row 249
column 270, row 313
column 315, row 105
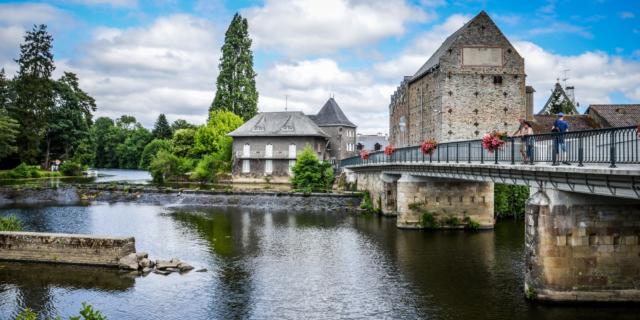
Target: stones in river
column 184, row 267
column 146, row 263
column 161, row 272
column 202, row 270
column 164, row 264
column 129, row 262
column 141, row 261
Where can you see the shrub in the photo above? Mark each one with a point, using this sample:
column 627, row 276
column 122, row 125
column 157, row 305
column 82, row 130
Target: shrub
column 164, row 166
column 428, row 220
column 510, row 200
column 311, row 174
column 71, row 168
column 23, row 171
column 472, row 224
column 205, row 169
column 366, row 203
column 10, row 223
column 451, row 221
column 151, row 149
column 86, row 313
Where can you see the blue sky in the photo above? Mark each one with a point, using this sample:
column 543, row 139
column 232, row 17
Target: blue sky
column 146, row 57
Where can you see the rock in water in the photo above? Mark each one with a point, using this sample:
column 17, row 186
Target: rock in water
column 145, row 263
column 129, row 261
column 184, row 267
column 163, row 264
column 142, row 255
column 161, row 272
column 202, row 270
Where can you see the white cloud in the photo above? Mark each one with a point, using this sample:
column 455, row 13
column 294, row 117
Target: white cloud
column 561, row 27
column 299, row 27
column 167, row 67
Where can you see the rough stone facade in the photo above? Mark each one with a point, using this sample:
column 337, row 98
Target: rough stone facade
column 443, row 199
column 582, row 247
column 341, row 140
column 382, row 189
column 64, row 248
column 399, row 114
column 474, row 83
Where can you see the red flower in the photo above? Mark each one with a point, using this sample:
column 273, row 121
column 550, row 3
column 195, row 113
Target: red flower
column 364, row 154
column 494, row 140
column 389, row 150
column 428, row 146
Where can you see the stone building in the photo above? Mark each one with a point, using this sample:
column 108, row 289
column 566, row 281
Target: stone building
column 473, row 84
column 399, row 115
column 267, row 146
column 615, row 115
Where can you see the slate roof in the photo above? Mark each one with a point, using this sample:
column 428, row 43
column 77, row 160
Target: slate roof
column 271, row 124
column 617, row 115
column 331, row 115
column 544, row 123
column 369, row 141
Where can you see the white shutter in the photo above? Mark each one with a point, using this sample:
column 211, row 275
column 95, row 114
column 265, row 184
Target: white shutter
column 268, row 166
column 246, row 151
column 246, row 167
column 292, row 151
column 268, row 151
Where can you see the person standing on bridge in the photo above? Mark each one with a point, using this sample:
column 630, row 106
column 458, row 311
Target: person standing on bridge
column 561, row 126
column 527, row 140
column 520, row 133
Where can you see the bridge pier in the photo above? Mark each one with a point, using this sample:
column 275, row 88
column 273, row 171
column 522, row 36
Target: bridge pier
column 425, row 202
column 382, row 189
column 582, row 247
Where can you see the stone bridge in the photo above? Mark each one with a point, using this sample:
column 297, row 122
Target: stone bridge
column 582, row 220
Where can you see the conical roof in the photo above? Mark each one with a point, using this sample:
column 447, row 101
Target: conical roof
column 332, row 115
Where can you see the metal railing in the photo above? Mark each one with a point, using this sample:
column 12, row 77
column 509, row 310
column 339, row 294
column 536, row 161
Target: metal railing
column 610, row 146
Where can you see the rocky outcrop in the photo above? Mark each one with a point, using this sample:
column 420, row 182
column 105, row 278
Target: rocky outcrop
column 140, row 262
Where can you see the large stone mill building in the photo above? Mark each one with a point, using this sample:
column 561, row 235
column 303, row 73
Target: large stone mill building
column 266, row 147
column 473, row 84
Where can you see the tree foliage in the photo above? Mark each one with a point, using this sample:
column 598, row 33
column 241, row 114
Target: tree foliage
column 183, row 141
column 181, row 124
column 8, row 133
column 510, row 200
column 119, row 144
column 165, row 166
column 310, row 174
column 161, row 129
column 151, row 149
column 236, row 85
column 213, row 139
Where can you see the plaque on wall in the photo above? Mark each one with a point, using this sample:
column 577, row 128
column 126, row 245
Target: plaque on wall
column 482, row 56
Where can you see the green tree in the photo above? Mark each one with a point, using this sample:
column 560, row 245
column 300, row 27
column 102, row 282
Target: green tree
column 34, row 91
column 130, row 150
column 107, row 137
column 8, row 133
column 310, row 174
column 183, row 141
column 165, row 166
column 181, row 124
column 212, row 138
column 151, row 149
column 510, row 200
column 560, row 104
column 161, row 129
column 236, row 85
column 6, row 92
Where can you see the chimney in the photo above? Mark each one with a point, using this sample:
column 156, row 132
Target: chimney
column 529, row 103
column 570, row 93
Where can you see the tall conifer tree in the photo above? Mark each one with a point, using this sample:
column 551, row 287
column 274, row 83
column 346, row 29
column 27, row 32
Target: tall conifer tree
column 34, row 91
column 236, row 84
column 161, row 129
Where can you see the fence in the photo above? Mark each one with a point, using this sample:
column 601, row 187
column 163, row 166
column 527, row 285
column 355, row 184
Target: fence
column 610, row 146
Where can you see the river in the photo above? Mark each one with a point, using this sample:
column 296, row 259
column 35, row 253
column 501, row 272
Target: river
column 285, row 265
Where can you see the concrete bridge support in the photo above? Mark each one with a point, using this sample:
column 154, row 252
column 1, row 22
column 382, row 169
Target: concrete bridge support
column 582, row 247
column 382, row 188
column 424, row 202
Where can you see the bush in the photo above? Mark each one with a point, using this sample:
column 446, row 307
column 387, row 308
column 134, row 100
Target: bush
column 86, row 313
column 151, row 149
column 10, row 223
column 428, row 220
column 366, row 203
column 24, row 171
column 310, row 174
column 451, row 221
column 205, row 169
column 71, row 168
column 510, row 200
column 165, row 166
column 472, row 224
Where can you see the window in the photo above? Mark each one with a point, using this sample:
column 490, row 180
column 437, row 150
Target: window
column 246, row 151
column 268, row 151
column 246, row 167
column 268, row 166
column 292, row 163
column 497, row 79
column 292, row 151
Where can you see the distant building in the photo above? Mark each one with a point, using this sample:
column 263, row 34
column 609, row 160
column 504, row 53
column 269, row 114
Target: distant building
column 615, row 115
column 560, row 100
column 474, row 83
column 269, row 143
column 372, row 142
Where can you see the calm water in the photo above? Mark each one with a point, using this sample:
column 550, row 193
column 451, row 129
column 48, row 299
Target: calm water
column 285, row 265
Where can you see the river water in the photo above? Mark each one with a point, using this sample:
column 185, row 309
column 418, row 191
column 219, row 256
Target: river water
column 283, row 265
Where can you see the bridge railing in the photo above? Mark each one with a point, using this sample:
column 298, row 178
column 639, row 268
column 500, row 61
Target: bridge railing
column 609, row 146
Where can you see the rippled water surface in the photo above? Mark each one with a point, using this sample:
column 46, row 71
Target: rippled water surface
column 284, row 265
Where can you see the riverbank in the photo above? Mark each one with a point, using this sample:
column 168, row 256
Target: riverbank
column 71, row 194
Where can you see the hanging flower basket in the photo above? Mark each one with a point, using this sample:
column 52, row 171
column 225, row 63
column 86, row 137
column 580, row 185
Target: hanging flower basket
column 429, row 146
column 364, row 154
column 389, row 150
column 494, row 140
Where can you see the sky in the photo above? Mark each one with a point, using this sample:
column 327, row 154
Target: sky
column 143, row 58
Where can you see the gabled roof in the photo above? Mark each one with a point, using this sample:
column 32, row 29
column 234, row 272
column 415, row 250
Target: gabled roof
column 577, row 122
column 434, row 61
column 271, row 124
column 331, row 115
column 617, row 115
column 562, row 96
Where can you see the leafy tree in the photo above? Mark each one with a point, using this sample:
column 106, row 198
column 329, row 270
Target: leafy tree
column 559, row 104
column 310, row 174
column 161, row 129
column 130, row 150
column 181, row 124
column 236, row 85
column 6, row 92
column 205, row 169
column 119, row 144
column 151, row 149
column 8, row 133
column 212, row 138
column 182, row 141
column 34, row 91
column 107, row 137
column 164, row 166
column 510, row 200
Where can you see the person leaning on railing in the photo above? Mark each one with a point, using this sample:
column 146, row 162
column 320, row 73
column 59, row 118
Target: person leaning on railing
column 528, row 140
column 561, row 126
column 521, row 133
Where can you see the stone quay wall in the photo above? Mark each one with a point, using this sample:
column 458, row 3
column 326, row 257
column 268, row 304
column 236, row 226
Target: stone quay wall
column 64, row 248
column 582, row 247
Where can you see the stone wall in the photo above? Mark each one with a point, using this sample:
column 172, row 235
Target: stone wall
column 64, row 248
column 582, row 247
column 382, row 189
column 340, row 137
column 444, row 199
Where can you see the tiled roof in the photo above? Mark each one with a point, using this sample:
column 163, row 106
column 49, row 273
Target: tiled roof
column 617, row 115
column 269, row 124
column 544, row 123
column 331, row 115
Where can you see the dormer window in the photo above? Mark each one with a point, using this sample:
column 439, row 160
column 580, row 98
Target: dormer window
column 287, row 128
column 258, row 128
